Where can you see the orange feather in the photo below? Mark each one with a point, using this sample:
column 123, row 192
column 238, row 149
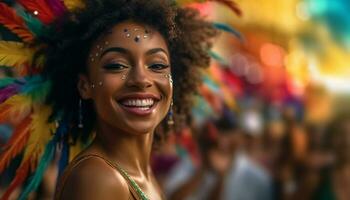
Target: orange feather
column 40, row 9
column 5, row 111
column 14, row 23
column 16, row 143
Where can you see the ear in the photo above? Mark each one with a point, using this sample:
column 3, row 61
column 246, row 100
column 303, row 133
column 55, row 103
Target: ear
column 84, row 86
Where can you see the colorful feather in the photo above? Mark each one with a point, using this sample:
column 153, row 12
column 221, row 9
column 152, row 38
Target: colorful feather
column 34, row 25
column 21, row 175
column 40, row 9
column 14, row 53
column 35, row 180
column 64, row 159
column 41, row 133
column 8, row 91
column 217, row 57
column 37, row 89
column 44, row 161
column 74, row 4
column 57, row 7
column 17, row 106
column 229, row 29
column 4, row 82
column 14, row 23
column 16, row 143
column 230, row 4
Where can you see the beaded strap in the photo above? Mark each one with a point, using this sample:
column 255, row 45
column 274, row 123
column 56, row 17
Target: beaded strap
column 132, row 182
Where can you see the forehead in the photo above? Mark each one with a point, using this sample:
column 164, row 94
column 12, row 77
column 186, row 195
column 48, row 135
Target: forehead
column 134, row 36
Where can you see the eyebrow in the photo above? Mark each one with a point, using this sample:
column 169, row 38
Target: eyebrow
column 127, row 52
column 115, row 49
column 156, row 50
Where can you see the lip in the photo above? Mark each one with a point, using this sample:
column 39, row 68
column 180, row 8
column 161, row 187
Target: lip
column 139, row 96
column 137, row 111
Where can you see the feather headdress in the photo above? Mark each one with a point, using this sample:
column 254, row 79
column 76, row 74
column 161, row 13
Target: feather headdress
column 36, row 134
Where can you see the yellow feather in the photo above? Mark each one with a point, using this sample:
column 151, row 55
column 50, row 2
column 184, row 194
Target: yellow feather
column 14, row 53
column 41, row 133
column 19, row 107
column 74, row 4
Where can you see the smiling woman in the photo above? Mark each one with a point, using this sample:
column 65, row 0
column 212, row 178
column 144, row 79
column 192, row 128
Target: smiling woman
column 113, row 71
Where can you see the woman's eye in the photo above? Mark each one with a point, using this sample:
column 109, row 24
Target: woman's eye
column 158, row 66
column 115, row 66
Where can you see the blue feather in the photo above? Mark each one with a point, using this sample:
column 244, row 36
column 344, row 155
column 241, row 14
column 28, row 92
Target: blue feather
column 61, row 133
column 64, row 159
column 229, row 29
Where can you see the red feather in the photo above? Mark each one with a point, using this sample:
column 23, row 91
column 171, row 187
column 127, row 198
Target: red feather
column 21, row 175
column 14, row 23
column 40, row 9
column 231, row 4
column 16, row 143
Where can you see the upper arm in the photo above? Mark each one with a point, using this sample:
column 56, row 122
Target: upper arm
column 94, row 179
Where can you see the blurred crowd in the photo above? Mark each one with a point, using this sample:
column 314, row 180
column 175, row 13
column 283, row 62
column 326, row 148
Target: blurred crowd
column 265, row 152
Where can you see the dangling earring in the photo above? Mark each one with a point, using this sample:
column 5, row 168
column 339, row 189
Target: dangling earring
column 170, row 115
column 80, row 112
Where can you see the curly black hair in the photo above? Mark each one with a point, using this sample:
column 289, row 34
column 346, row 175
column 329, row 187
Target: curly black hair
column 188, row 37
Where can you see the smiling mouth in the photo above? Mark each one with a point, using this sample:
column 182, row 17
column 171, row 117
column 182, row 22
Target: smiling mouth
column 138, row 106
column 142, row 104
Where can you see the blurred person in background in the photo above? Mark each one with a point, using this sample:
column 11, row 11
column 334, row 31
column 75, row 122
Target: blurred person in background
column 207, row 180
column 227, row 171
column 335, row 179
column 286, row 140
column 248, row 179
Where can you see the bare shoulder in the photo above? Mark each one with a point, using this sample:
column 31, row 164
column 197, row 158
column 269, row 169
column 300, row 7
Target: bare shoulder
column 94, row 179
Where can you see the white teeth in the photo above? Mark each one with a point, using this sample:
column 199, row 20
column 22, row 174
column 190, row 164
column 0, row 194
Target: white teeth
column 138, row 102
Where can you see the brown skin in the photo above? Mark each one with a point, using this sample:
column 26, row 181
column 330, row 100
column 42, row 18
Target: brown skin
column 121, row 136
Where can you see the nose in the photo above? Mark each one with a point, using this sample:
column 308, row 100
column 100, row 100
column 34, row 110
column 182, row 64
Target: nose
column 139, row 77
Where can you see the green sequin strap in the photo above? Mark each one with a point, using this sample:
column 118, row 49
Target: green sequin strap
column 142, row 195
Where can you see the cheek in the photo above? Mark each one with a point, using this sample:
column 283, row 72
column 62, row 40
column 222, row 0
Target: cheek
column 165, row 87
column 103, row 95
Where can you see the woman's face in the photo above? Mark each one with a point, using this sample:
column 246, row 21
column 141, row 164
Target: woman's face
column 129, row 78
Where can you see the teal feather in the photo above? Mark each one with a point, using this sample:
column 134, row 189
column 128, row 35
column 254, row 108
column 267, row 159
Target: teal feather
column 211, row 84
column 45, row 160
column 34, row 24
column 37, row 88
column 218, row 58
column 229, row 29
column 6, row 81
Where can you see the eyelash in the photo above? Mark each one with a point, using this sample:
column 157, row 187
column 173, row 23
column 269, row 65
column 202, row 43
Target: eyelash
column 120, row 67
column 159, row 66
column 115, row 66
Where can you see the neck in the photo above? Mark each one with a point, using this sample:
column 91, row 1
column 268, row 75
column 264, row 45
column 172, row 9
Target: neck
column 130, row 151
